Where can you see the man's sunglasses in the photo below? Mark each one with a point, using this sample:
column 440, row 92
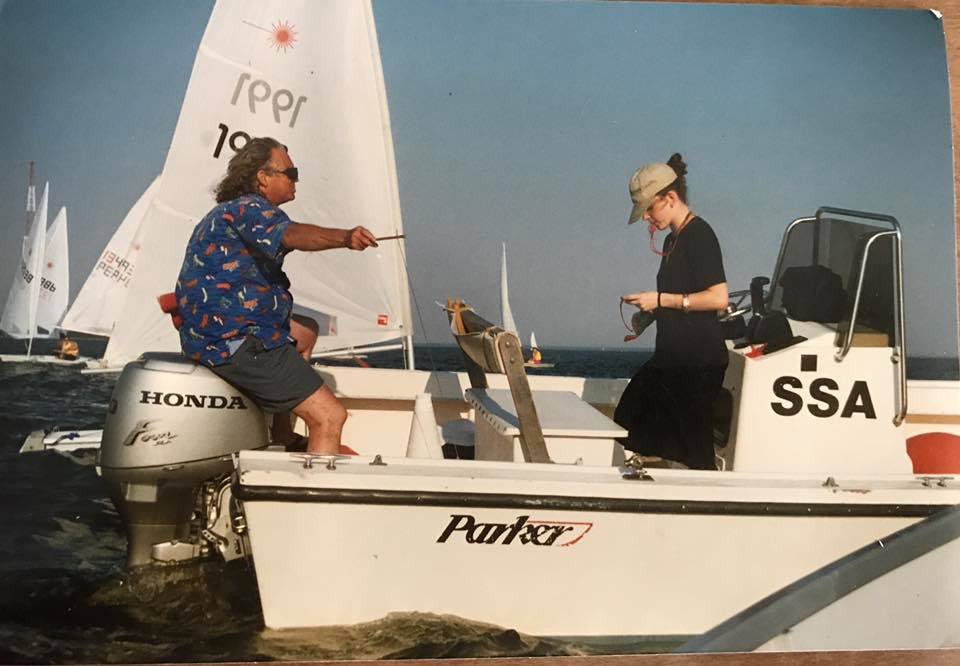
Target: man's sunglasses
column 292, row 173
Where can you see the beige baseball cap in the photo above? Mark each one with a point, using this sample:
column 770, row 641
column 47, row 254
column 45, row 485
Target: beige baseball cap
column 644, row 185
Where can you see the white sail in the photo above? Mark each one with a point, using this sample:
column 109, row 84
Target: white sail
column 533, row 341
column 101, row 299
column 506, row 315
column 19, row 317
column 309, row 75
column 55, row 275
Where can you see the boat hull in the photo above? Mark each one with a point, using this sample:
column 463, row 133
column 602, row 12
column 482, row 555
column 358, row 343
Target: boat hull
column 46, row 359
column 551, row 550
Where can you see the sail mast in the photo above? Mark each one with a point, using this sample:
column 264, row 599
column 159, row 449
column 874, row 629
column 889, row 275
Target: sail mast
column 31, row 200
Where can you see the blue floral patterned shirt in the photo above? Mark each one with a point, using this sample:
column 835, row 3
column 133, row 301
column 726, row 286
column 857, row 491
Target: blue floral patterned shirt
column 232, row 283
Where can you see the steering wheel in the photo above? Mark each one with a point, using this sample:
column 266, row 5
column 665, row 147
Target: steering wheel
column 737, row 307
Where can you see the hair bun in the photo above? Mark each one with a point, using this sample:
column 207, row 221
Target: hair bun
column 677, row 164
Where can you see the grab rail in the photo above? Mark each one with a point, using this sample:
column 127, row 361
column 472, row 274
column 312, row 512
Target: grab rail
column 899, row 346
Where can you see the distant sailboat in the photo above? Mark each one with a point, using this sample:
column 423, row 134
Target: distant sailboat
column 38, row 295
column 19, row 319
column 536, row 358
column 507, row 321
column 100, row 301
column 54, row 293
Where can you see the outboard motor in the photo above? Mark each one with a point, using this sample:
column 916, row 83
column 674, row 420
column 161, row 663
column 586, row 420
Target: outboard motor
column 171, row 428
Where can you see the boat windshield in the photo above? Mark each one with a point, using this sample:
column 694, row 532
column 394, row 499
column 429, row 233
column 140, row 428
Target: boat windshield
column 819, row 269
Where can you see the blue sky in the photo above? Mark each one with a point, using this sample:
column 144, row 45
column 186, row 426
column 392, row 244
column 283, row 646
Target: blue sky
column 521, row 122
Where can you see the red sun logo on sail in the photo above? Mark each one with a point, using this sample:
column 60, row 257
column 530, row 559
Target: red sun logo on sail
column 282, row 36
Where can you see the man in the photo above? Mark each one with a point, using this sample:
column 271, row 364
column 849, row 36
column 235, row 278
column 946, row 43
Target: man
column 67, row 349
column 235, row 301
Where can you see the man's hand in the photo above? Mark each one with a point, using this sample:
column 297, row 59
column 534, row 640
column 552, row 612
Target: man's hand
column 360, row 238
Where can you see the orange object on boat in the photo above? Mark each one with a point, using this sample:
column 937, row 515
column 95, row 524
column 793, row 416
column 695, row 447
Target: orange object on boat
column 168, row 303
column 934, row 453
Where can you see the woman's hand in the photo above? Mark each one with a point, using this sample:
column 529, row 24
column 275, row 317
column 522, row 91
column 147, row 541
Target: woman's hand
column 645, row 300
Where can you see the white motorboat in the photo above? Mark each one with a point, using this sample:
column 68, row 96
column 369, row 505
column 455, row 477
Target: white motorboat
column 825, row 399
column 632, row 551
column 820, row 452
column 551, row 550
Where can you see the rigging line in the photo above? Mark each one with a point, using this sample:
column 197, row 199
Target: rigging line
column 406, row 269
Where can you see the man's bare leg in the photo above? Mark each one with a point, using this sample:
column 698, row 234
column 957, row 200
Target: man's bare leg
column 304, row 330
column 324, row 416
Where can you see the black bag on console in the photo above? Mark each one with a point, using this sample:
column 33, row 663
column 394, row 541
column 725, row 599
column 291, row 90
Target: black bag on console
column 813, row 293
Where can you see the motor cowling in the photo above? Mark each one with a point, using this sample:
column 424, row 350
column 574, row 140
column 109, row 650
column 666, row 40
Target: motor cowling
column 171, row 425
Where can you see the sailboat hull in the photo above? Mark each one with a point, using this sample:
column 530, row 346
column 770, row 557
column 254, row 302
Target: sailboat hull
column 45, row 359
column 552, row 550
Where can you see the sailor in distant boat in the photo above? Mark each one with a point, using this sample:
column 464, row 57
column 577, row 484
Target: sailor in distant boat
column 67, row 349
column 234, row 297
column 535, row 356
column 668, row 405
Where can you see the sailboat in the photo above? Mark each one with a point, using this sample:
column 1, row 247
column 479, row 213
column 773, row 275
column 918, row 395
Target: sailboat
column 506, row 317
column 100, row 302
column 19, row 319
column 266, row 69
column 837, row 474
column 40, row 291
column 55, row 278
column 536, row 358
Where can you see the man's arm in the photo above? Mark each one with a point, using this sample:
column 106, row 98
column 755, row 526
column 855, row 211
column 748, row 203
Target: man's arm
column 310, row 238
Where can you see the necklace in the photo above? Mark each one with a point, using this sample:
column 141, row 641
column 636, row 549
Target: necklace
column 686, row 220
column 676, row 236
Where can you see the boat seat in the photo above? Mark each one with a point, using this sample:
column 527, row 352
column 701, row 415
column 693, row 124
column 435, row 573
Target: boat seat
column 573, row 430
column 509, row 425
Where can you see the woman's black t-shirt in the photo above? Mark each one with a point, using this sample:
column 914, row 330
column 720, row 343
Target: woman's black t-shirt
column 693, row 264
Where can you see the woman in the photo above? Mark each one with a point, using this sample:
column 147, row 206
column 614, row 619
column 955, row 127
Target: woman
column 668, row 405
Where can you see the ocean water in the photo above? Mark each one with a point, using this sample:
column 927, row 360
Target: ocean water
column 65, row 596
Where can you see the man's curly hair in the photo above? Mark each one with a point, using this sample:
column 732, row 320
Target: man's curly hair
column 242, row 170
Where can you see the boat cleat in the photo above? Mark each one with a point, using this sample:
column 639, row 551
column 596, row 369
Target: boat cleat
column 634, row 470
column 309, row 458
column 930, row 481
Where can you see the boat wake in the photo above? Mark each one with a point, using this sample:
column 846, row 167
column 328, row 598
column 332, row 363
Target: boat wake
column 408, row 636
column 210, row 611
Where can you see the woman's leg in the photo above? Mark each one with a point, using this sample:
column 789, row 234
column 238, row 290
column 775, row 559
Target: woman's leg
column 701, row 388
